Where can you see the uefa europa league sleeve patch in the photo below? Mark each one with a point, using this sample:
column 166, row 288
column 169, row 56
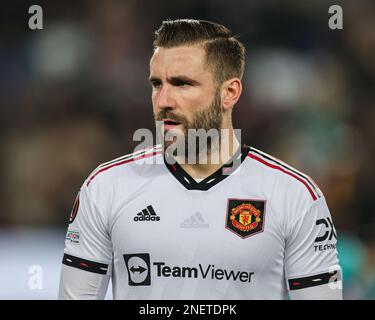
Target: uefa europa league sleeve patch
column 74, row 211
column 245, row 217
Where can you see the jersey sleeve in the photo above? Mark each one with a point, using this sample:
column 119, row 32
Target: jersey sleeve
column 87, row 257
column 311, row 259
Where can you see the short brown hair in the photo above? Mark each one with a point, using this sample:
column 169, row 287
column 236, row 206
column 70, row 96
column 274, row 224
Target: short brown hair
column 224, row 53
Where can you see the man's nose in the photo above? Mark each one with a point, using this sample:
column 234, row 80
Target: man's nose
column 165, row 98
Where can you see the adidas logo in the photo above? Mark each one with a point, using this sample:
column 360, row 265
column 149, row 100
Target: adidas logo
column 195, row 221
column 147, row 214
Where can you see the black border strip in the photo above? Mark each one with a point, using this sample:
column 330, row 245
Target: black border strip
column 191, row 184
column 312, row 281
column 87, row 265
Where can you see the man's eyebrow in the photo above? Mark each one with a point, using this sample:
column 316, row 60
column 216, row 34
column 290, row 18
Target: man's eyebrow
column 182, row 79
column 153, row 79
column 175, row 79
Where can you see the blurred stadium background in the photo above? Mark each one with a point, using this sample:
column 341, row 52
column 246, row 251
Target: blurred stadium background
column 72, row 95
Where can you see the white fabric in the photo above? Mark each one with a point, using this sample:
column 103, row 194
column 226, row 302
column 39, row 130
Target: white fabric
column 76, row 284
column 191, row 239
column 322, row 292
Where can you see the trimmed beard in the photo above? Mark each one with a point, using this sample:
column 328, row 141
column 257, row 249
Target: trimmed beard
column 206, row 119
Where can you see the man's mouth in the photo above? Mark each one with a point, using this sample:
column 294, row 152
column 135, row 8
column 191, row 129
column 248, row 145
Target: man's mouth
column 170, row 124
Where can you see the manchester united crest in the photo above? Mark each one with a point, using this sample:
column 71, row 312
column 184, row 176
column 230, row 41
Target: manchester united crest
column 245, row 217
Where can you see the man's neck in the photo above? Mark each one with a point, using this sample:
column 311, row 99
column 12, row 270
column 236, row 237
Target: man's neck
column 216, row 158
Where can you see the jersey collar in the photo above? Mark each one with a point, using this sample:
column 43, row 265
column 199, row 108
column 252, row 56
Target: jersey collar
column 219, row 175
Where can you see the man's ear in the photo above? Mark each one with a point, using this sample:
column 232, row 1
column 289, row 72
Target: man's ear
column 230, row 93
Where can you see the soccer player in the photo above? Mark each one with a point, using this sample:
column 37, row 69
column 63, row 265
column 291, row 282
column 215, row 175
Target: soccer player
column 247, row 226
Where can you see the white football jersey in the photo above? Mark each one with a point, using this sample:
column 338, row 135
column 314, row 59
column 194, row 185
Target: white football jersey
column 255, row 229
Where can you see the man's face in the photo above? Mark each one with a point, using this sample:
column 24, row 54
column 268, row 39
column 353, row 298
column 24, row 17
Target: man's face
column 183, row 90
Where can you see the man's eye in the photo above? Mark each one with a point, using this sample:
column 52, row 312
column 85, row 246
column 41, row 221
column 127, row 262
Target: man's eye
column 156, row 84
column 182, row 84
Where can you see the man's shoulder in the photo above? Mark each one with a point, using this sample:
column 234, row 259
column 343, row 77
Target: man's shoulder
column 283, row 175
column 127, row 164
